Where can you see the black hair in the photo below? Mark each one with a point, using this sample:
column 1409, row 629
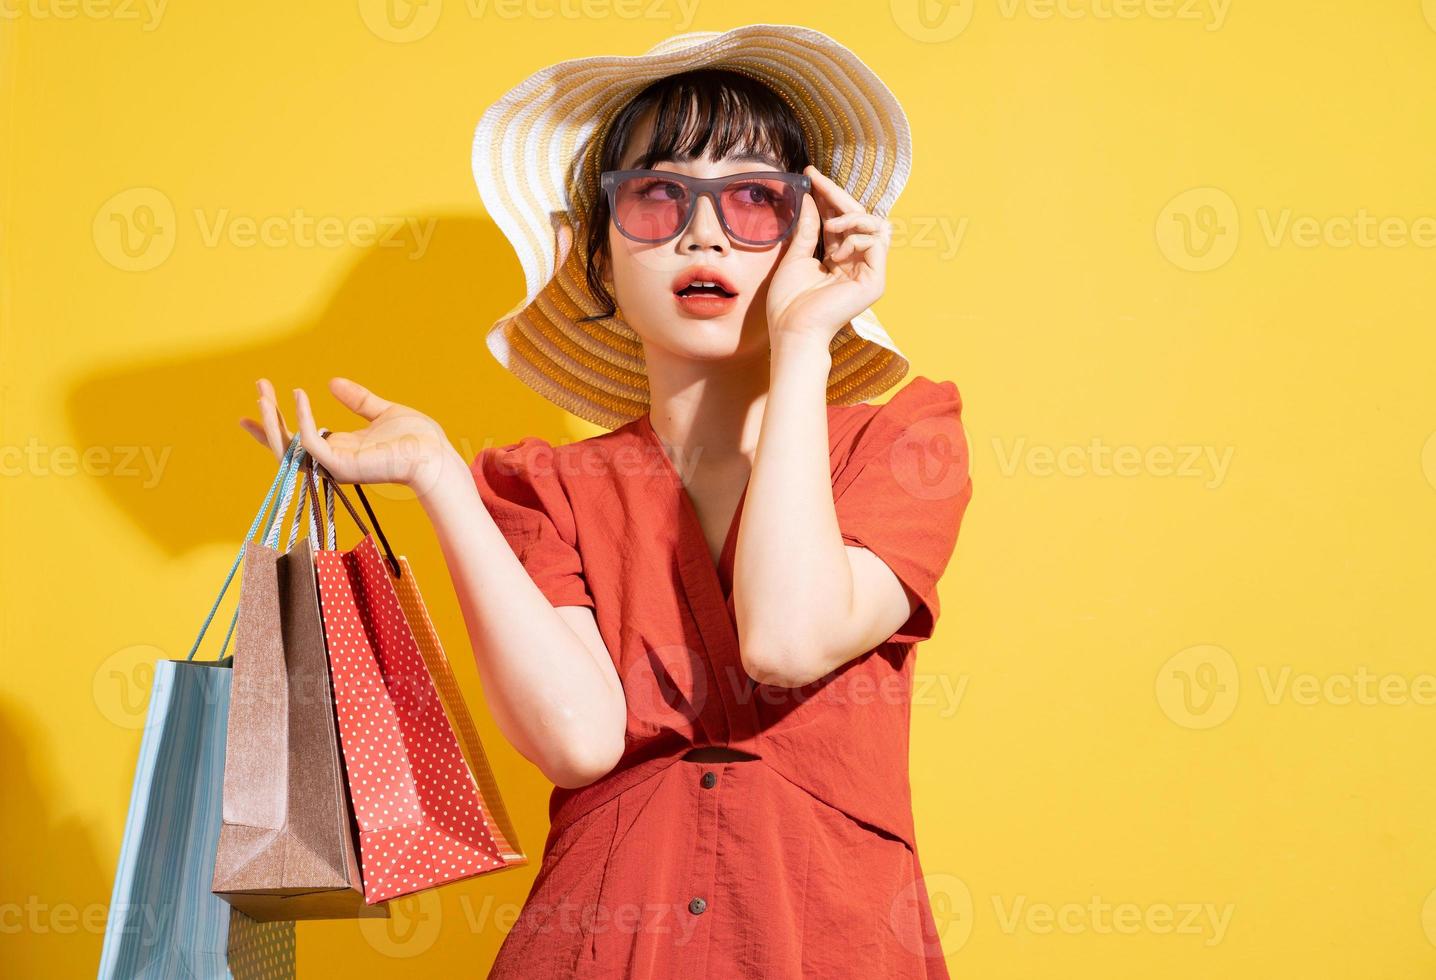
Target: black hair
column 712, row 110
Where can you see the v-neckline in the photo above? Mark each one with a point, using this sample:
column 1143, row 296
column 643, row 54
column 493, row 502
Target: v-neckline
column 723, row 569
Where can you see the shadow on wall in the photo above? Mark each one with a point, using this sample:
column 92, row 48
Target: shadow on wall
column 412, row 330
column 57, row 880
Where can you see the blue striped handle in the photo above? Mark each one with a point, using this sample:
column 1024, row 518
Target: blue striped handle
column 287, row 474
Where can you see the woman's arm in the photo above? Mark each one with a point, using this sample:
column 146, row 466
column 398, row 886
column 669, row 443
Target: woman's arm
column 805, row 602
column 547, row 675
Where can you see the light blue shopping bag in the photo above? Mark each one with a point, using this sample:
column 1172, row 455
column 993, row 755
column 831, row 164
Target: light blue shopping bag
column 164, row 921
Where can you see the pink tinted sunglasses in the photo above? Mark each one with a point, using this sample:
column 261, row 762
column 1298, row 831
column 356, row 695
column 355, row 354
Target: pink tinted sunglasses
column 654, row 206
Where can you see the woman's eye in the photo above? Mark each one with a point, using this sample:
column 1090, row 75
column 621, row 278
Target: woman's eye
column 661, row 190
column 752, row 194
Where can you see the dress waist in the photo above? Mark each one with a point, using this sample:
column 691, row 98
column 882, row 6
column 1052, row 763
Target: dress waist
column 718, row 753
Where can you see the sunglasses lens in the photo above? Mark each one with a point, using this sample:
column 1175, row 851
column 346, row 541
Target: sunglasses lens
column 760, row 211
column 757, row 210
column 650, row 208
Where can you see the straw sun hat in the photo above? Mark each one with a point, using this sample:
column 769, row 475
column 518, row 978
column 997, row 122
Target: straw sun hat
column 537, row 169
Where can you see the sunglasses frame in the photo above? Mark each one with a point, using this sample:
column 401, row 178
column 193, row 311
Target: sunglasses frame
column 698, row 187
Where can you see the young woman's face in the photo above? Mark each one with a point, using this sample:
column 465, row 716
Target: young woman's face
column 642, row 276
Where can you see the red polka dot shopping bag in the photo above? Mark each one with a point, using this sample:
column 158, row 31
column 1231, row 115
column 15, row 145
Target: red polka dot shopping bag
column 427, row 808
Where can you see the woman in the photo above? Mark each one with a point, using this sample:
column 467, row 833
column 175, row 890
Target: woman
column 712, row 662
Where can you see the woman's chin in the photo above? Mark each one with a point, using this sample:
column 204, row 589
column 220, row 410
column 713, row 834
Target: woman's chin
column 701, row 340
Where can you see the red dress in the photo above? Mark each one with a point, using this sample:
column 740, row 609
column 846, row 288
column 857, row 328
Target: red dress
column 801, row 862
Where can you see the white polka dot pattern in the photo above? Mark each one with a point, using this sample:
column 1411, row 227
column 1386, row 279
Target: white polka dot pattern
column 260, row 950
column 499, row 823
column 421, row 819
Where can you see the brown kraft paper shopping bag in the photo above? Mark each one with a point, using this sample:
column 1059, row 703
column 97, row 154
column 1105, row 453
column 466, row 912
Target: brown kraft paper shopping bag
column 288, row 844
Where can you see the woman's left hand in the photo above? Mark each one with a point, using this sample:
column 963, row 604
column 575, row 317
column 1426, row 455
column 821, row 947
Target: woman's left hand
column 815, row 299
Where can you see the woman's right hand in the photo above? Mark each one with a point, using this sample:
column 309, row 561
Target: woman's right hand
column 399, row 444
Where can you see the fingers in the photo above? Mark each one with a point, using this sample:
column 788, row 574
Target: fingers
column 855, row 221
column 854, row 243
column 873, row 250
column 256, row 430
column 276, row 431
column 841, row 201
column 314, row 444
column 358, row 399
column 805, row 236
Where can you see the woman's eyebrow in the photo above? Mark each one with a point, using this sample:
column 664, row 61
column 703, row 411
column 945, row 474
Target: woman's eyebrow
column 756, row 158
column 763, row 158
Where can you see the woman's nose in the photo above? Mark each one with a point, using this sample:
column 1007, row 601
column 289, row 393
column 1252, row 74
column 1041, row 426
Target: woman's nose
column 704, row 229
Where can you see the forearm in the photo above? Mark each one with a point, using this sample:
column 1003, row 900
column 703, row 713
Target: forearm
column 542, row 683
column 792, row 581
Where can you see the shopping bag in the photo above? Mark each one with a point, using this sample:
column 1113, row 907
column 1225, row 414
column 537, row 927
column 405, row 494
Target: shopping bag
column 163, row 919
column 287, row 848
column 417, row 615
column 422, row 817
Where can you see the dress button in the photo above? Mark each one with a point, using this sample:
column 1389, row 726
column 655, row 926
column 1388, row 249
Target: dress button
column 697, row 906
column 708, row 780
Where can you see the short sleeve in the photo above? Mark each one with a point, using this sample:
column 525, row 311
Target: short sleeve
column 520, row 487
column 904, row 490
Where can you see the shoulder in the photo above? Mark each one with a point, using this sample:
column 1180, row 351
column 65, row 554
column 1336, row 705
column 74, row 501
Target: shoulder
column 564, row 466
column 927, row 404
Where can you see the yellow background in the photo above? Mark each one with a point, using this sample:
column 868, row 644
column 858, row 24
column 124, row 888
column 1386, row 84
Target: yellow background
column 1199, row 682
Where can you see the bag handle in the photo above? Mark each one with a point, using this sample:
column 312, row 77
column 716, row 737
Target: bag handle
column 332, row 487
column 272, row 535
column 288, row 471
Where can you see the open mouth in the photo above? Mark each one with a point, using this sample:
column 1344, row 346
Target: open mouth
column 704, row 289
